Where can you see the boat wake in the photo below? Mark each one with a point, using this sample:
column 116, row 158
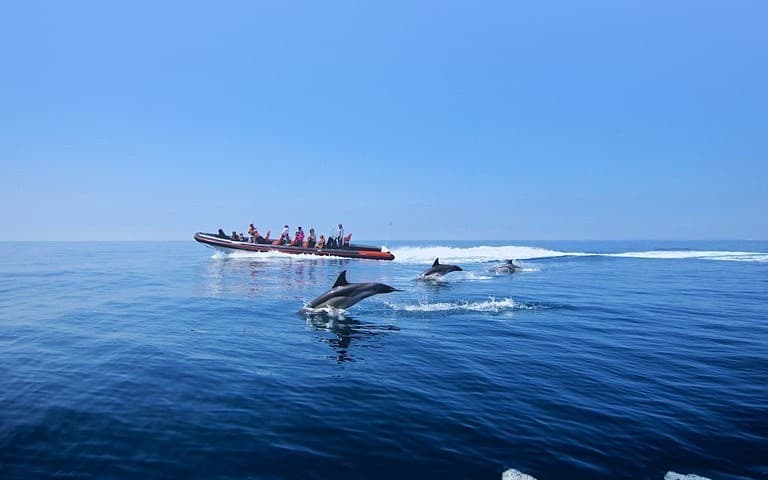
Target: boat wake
column 482, row 254
column 699, row 254
column 479, row 254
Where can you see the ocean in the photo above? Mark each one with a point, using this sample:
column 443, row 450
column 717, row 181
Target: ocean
column 598, row 360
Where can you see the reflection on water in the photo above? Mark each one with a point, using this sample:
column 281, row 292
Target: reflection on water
column 252, row 278
column 345, row 329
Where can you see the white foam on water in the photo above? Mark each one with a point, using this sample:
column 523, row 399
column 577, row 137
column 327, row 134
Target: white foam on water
column 679, row 476
column 491, row 305
column 701, row 254
column 331, row 312
column 529, row 269
column 513, row 474
column 452, row 255
column 475, row 276
column 481, row 254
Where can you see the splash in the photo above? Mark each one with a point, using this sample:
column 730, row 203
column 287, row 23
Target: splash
column 491, row 305
column 328, row 311
column 513, row 474
column 678, row 476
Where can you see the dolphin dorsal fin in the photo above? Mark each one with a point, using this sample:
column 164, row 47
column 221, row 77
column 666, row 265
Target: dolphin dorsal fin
column 437, row 262
column 342, row 280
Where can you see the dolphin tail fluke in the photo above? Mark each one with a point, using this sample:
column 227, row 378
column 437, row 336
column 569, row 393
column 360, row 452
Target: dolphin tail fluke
column 437, row 262
column 342, row 280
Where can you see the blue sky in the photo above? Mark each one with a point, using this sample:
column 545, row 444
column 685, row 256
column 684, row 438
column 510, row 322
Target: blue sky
column 403, row 120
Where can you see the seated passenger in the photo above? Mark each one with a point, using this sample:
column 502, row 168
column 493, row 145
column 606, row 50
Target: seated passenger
column 298, row 240
column 311, row 239
column 321, row 242
column 221, row 234
column 234, row 236
column 257, row 238
column 251, row 233
column 285, row 236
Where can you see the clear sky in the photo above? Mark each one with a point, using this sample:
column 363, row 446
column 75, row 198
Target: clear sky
column 403, row 120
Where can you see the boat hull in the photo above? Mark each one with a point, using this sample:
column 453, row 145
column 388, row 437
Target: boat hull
column 351, row 251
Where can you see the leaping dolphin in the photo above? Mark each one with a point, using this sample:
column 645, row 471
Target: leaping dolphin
column 438, row 270
column 507, row 267
column 344, row 294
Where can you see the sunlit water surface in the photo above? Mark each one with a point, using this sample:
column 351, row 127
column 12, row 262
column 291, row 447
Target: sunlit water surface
column 599, row 360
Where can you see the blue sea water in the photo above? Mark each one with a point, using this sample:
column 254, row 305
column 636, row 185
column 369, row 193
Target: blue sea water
column 599, row 360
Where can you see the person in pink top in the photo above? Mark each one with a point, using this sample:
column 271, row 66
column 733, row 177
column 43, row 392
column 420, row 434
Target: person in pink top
column 298, row 240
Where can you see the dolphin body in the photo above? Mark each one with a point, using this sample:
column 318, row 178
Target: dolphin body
column 507, row 267
column 438, row 270
column 344, row 294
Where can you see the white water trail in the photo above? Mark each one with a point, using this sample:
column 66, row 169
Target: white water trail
column 481, row 254
column 491, row 305
column 424, row 255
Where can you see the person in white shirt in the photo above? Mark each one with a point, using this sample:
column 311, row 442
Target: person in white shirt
column 285, row 237
column 340, row 237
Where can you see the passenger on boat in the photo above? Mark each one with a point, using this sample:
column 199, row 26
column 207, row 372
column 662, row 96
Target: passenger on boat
column 331, row 242
column 257, row 238
column 285, row 236
column 321, row 242
column 311, row 239
column 298, row 238
column 221, row 234
column 251, row 233
column 234, row 236
column 340, row 237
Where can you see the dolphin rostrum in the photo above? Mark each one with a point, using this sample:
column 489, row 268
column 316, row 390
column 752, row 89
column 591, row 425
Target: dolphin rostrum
column 438, row 270
column 344, row 294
